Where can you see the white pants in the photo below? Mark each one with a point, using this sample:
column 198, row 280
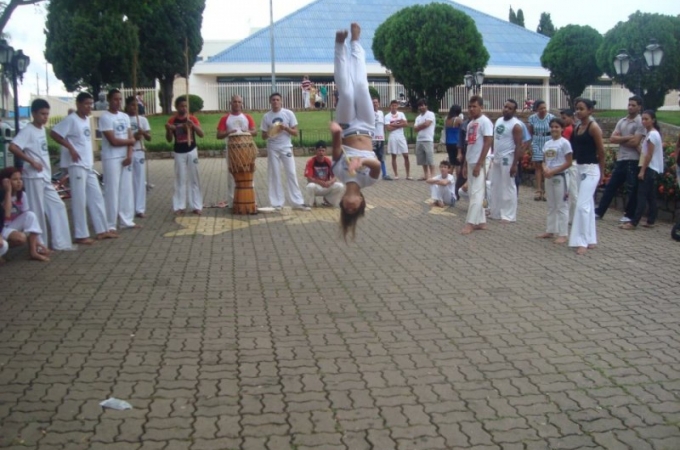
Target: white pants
column 4, row 247
column 86, row 195
column 231, row 184
column 354, row 110
column 443, row 194
column 139, row 163
column 305, row 99
column 118, row 193
column 503, row 192
column 25, row 222
column 275, row 159
column 186, row 172
column 43, row 200
column 583, row 231
column 557, row 190
column 572, row 181
column 332, row 194
column 476, row 187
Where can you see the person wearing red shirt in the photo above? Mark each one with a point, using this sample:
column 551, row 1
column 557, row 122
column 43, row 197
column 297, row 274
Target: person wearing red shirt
column 321, row 181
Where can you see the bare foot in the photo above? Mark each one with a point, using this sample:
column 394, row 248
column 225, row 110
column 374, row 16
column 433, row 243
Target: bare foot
column 107, row 235
column 179, row 212
column 560, row 240
column 44, row 250
column 38, row 257
column 467, row 229
column 627, row 226
column 545, row 236
column 581, row 250
column 505, row 222
column 135, row 227
column 340, row 36
column 356, row 31
column 84, row 241
column 438, row 204
column 591, row 246
column 198, row 212
column 481, row 226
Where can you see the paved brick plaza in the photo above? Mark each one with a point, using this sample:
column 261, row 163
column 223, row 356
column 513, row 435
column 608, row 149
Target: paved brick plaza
column 270, row 333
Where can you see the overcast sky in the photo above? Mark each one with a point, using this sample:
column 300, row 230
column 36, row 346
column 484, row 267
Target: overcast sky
column 222, row 21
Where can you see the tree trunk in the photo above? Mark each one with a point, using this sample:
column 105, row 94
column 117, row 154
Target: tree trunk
column 167, row 94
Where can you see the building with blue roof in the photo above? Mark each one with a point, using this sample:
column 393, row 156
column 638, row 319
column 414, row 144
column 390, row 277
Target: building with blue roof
column 304, row 43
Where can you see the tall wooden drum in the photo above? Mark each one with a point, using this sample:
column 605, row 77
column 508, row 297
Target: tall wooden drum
column 242, row 155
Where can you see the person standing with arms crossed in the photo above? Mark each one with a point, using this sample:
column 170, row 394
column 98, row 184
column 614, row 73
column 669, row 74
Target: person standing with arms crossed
column 395, row 122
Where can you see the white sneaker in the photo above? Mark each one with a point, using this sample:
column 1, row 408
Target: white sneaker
column 303, row 207
column 624, row 219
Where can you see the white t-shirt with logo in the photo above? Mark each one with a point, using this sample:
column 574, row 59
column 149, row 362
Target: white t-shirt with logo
column 284, row 117
column 77, row 131
column 143, row 125
column 477, row 130
column 503, row 140
column 389, row 118
column 379, row 126
column 119, row 123
column 555, row 152
column 33, row 142
column 426, row 134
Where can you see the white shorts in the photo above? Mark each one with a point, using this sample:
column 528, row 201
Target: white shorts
column 397, row 146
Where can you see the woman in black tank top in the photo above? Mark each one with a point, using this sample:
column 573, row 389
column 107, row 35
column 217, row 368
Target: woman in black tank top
column 586, row 142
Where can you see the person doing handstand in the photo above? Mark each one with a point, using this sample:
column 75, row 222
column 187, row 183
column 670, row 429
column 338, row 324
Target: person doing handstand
column 354, row 162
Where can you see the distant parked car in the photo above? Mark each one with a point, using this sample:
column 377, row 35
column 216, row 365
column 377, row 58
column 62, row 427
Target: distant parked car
column 7, row 129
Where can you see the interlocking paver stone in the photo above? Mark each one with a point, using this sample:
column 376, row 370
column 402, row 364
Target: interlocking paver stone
column 269, row 332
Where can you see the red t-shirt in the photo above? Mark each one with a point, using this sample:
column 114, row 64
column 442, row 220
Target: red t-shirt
column 566, row 133
column 319, row 170
column 181, row 135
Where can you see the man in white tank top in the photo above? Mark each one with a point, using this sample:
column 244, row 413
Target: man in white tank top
column 507, row 151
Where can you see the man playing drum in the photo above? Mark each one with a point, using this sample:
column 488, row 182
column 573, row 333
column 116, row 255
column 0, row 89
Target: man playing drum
column 235, row 121
column 278, row 125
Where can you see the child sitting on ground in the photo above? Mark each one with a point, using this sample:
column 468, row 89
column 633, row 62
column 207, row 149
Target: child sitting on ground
column 442, row 187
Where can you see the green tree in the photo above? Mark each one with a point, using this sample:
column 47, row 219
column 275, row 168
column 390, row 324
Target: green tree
column 633, row 36
column 512, row 17
column 409, row 44
column 570, row 56
column 545, row 25
column 163, row 31
column 88, row 48
column 520, row 17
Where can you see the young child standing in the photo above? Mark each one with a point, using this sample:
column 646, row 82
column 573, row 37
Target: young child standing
column 18, row 220
column 557, row 157
column 442, row 186
column 30, row 146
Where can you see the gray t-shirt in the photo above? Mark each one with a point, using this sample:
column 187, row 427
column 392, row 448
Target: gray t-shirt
column 629, row 127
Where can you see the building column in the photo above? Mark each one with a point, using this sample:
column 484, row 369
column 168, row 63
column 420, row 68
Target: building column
column 546, row 92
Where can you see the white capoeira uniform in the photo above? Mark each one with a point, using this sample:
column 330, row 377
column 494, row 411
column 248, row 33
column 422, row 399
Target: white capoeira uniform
column 280, row 154
column 139, row 162
column 444, row 194
column 477, row 130
column 503, row 193
column 557, row 187
column 362, row 176
column 354, row 111
column 43, row 199
column 583, row 228
column 187, row 182
column 118, row 197
column 86, row 194
column 573, row 181
column 21, row 219
column 396, row 142
column 241, row 122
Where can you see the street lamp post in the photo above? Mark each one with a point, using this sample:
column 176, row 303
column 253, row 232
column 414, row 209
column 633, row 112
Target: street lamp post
column 625, row 63
column 474, row 81
column 15, row 64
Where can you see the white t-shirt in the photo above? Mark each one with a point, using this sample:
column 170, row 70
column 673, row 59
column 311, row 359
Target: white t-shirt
column 477, row 130
column 77, row 131
column 503, row 140
column 119, row 123
column 426, row 134
column 656, row 164
column 451, row 186
column 379, row 126
column 143, row 124
column 555, row 152
column 33, row 142
column 285, row 117
column 362, row 177
column 389, row 118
